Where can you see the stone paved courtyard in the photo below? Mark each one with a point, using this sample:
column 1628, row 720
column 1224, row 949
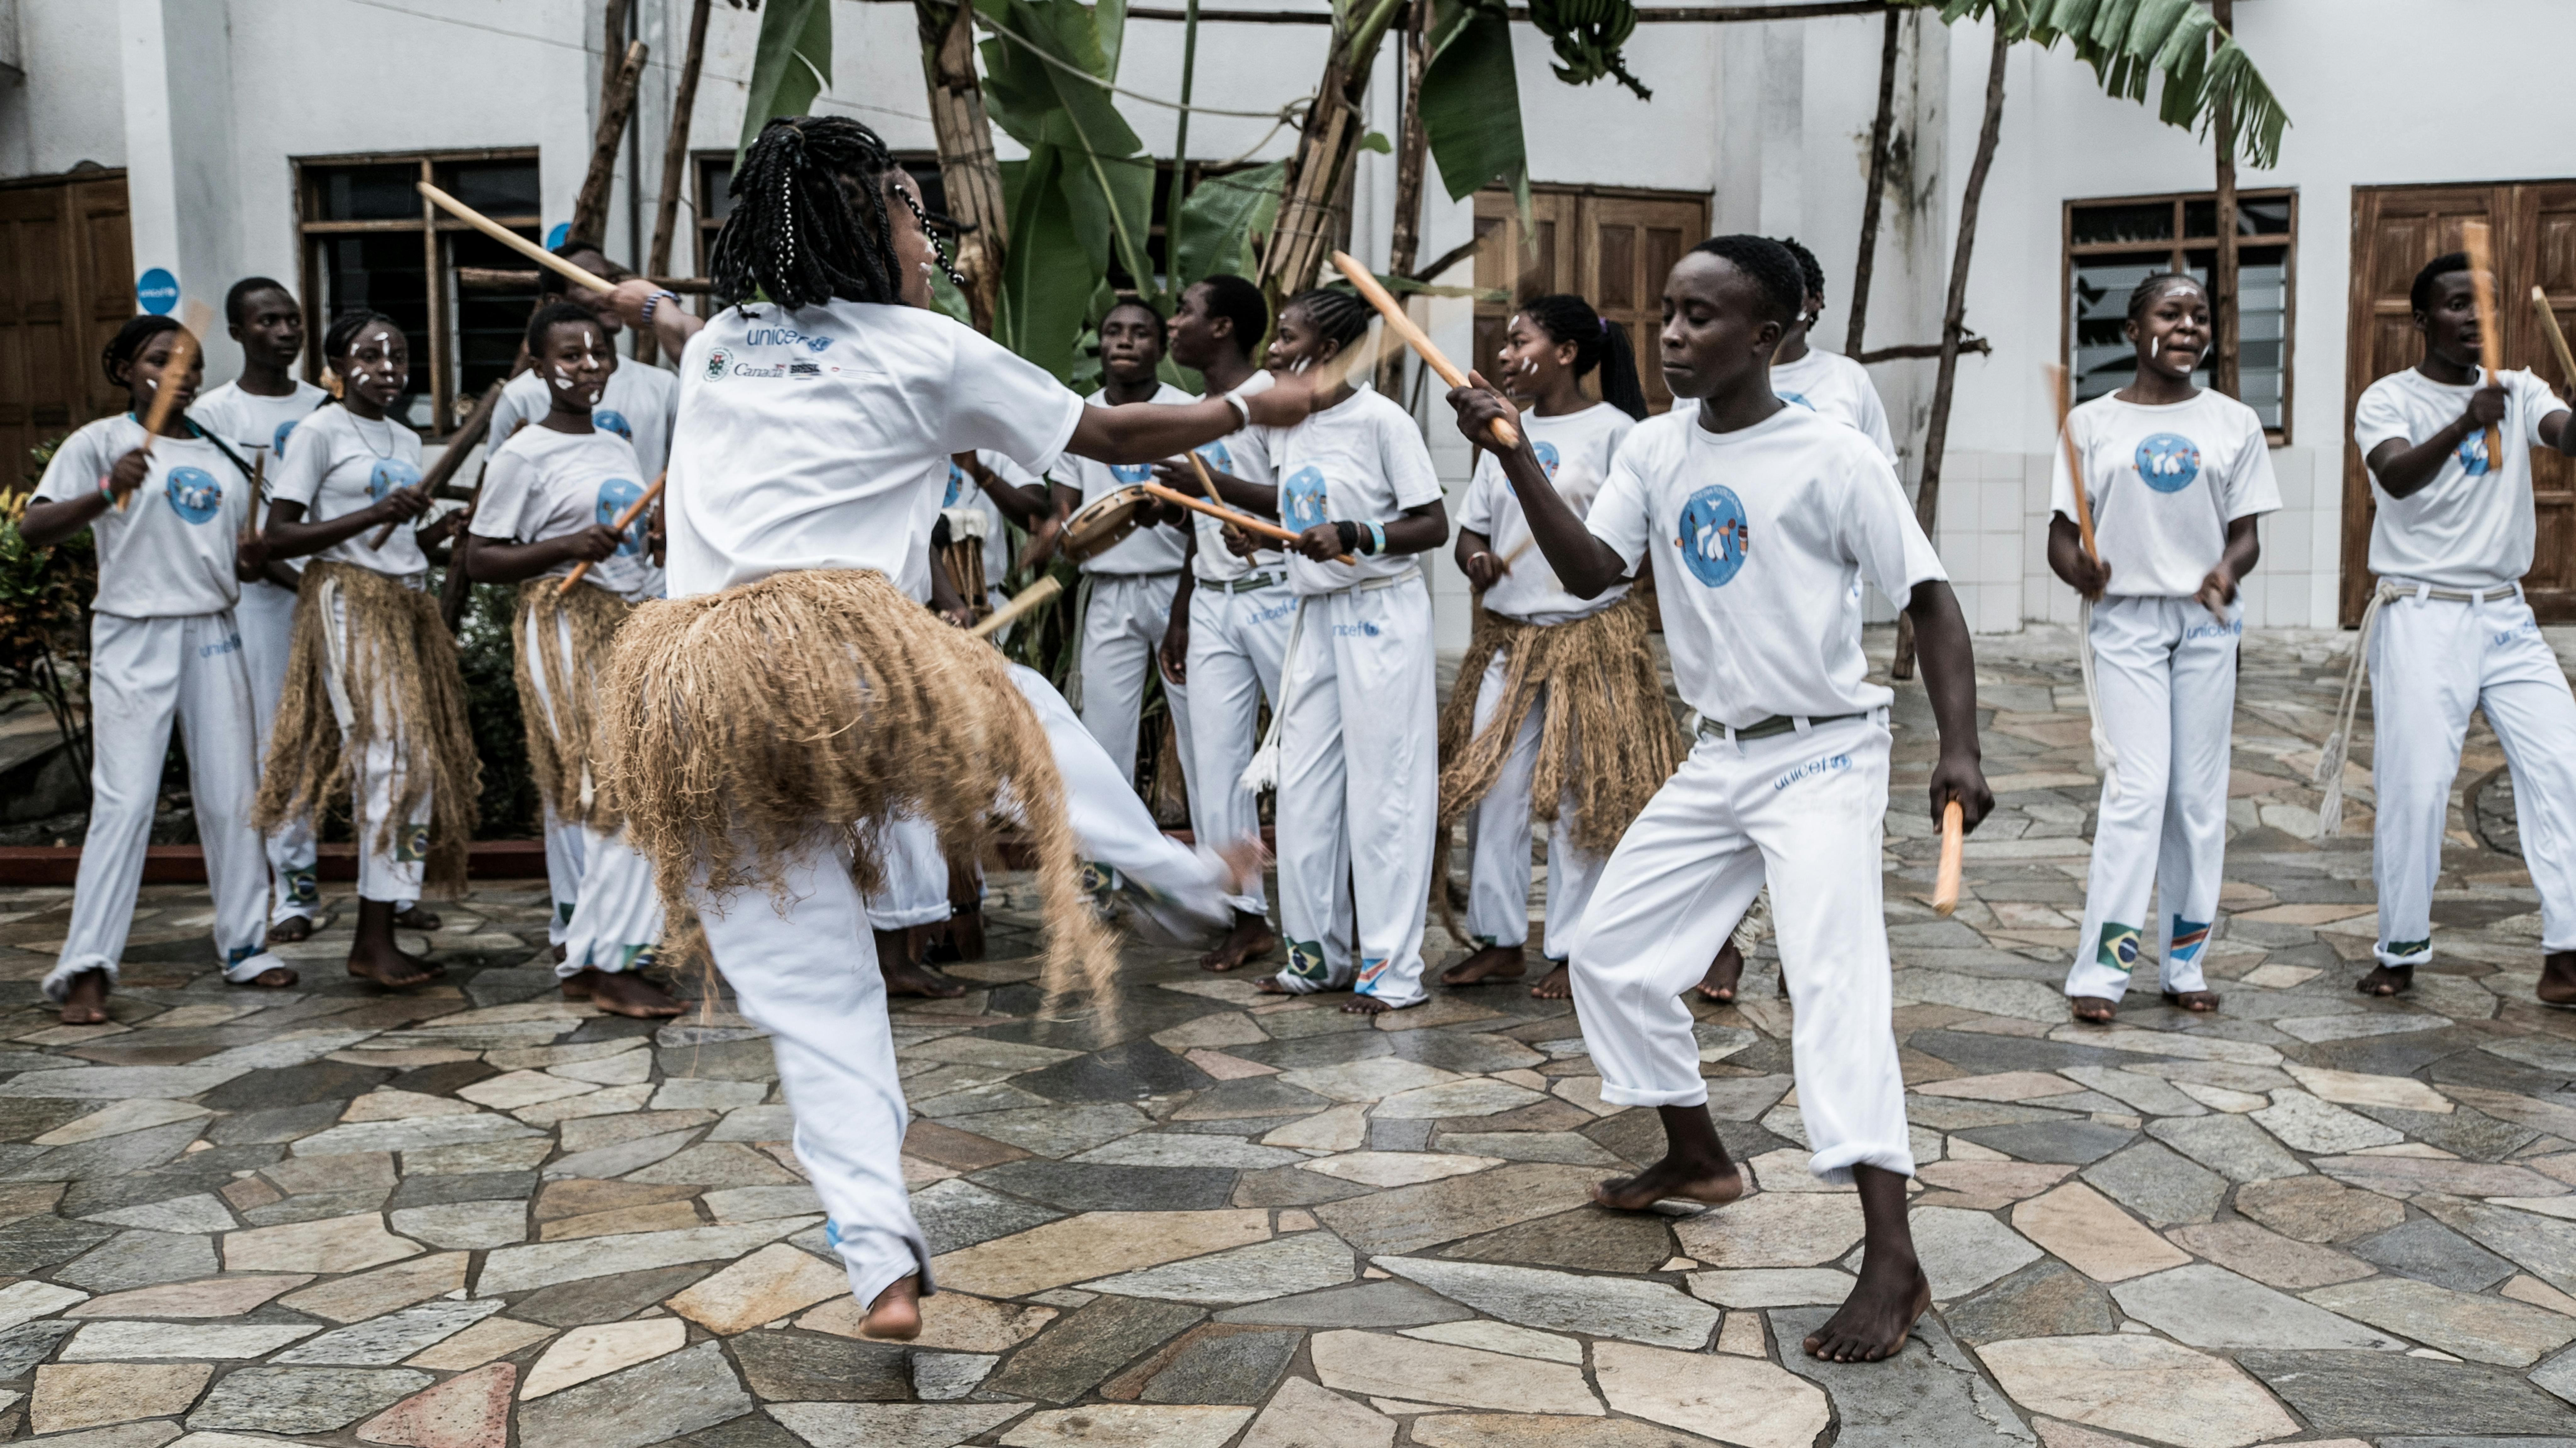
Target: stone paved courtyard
column 479, row 1215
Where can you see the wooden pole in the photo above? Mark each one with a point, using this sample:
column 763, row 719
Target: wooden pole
column 1258, row 527
column 458, row 586
column 590, row 207
column 1936, row 435
column 1402, row 325
column 571, row 271
column 1880, row 131
column 2557, row 338
column 2477, row 241
column 477, row 423
column 2226, row 371
column 968, row 171
column 625, row 520
column 612, row 45
column 1954, row 846
column 1037, row 595
column 675, row 167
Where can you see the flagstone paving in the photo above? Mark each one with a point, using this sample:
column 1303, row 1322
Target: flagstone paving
column 480, row 1215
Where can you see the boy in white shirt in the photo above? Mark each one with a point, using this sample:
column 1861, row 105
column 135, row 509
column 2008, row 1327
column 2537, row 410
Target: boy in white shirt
column 641, row 399
column 1763, row 518
column 2447, row 630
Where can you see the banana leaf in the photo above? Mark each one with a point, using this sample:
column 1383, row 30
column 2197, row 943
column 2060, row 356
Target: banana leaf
column 791, row 64
column 1048, row 275
column 1471, row 106
column 1106, row 177
column 1219, row 219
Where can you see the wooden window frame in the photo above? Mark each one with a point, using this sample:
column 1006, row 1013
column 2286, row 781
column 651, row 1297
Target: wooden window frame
column 432, row 224
column 2178, row 259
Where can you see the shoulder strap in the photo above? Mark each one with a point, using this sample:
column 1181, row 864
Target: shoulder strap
column 222, row 447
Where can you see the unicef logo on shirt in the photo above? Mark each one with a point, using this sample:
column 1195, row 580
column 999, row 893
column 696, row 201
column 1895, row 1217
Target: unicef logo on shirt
column 1715, row 535
column 195, row 495
column 1547, row 458
column 956, row 486
column 1799, row 398
column 611, row 420
column 1217, row 457
column 2168, row 462
column 2472, row 453
column 615, row 497
column 1129, row 473
column 389, row 474
column 1301, row 502
column 277, row 444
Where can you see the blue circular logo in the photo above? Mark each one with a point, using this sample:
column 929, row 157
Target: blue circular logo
column 389, row 474
column 1128, row 473
column 614, row 421
column 277, row 444
column 2472, row 453
column 2168, row 462
column 1799, row 398
column 1301, row 501
column 615, row 497
column 1547, row 457
column 555, row 237
column 956, row 486
column 1715, row 535
column 1217, row 457
column 156, row 291
column 194, row 494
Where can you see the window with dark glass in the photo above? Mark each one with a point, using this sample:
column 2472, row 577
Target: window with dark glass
column 2112, row 245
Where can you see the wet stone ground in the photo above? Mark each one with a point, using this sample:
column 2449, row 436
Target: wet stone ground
column 479, row 1215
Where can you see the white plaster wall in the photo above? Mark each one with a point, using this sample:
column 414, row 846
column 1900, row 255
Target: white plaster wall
column 68, row 105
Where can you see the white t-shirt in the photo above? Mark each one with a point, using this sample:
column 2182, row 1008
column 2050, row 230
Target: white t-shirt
column 820, row 438
column 637, row 404
column 1838, row 387
column 1576, row 450
column 1362, row 459
column 170, row 553
column 257, row 425
column 1155, row 549
column 544, row 484
column 2164, row 482
column 1246, row 455
column 1761, row 538
column 965, row 492
column 2468, row 527
column 340, row 463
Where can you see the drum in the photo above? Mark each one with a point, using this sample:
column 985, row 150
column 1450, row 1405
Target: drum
column 1104, row 523
column 964, row 557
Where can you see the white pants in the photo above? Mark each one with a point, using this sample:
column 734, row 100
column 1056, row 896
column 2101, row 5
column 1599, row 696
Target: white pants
column 142, row 672
column 393, row 874
column 1359, row 789
column 1498, row 883
column 2166, row 674
column 1121, row 633
column 916, row 877
column 1237, row 643
column 806, row 972
column 2431, row 662
column 1112, row 825
column 1806, row 808
column 608, row 913
column 266, row 614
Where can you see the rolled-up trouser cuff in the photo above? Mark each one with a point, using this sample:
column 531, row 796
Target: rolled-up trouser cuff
column 1629, row 1096
column 1835, row 1166
column 58, row 981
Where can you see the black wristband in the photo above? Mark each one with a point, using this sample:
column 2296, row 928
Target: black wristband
column 1350, row 534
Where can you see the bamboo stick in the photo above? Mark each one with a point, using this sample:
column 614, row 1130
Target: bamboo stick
column 513, row 240
column 1413, row 336
column 2475, row 239
column 2557, row 338
column 1245, row 521
column 477, row 423
column 625, row 520
column 1033, row 597
column 2059, row 398
column 183, row 353
column 1945, row 884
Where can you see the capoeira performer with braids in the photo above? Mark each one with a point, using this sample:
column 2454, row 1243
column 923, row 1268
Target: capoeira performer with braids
column 790, row 698
column 2175, row 477
column 1762, row 518
column 374, row 708
column 2448, row 631
column 255, row 413
column 1567, row 724
column 551, row 496
column 162, row 642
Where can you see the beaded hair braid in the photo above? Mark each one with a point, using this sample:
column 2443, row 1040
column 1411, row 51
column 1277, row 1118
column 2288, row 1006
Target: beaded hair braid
column 809, row 220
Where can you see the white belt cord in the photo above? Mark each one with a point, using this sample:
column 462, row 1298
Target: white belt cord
column 2105, row 758
column 1263, row 772
column 2330, row 760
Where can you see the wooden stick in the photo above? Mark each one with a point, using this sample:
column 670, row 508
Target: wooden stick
column 514, row 240
column 1945, row 884
column 625, row 520
column 1244, row 521
column 477, row 423
column 2059, row 398
column 2477, row 242
column 1402, row 325
column 1035, row 596
column 1199, row 465
column 183, row 353
column 2557, row 338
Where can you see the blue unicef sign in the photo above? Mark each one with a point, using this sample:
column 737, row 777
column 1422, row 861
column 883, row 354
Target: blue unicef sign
column 157, row 291
column 555, row 238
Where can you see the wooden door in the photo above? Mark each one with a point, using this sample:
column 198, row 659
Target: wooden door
column 2396, row 230
column 66, row 285
column 1612, row 247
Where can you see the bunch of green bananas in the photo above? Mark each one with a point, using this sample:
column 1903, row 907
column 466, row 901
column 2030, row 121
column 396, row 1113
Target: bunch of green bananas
column 1587, row 35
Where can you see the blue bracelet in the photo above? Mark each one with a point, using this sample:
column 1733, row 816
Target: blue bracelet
column 1377, row 537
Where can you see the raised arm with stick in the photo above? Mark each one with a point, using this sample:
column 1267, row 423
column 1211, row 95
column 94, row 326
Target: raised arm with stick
column 1402, row 325
column 2478, row 243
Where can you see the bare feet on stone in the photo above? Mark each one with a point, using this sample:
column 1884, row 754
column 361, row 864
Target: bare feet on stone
column 276, row 977
column 1676, row 1177
column 1272, row 985
column 622, row 994
column 2094, row 1010
column 389, row 966
column 1494, row 962
column 1884, row 1305
column 2390, row 980
column 1556, row 985
column 2558, row 979
column 905, row 975
column 2198, row 1002
column 290, row 930
column 1369, row 1005
column 1249, row 940
column 896, row 1314
column 85, row 999
column 1725, row 973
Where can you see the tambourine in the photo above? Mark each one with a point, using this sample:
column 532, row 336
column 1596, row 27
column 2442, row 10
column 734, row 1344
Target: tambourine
column 1104, row 522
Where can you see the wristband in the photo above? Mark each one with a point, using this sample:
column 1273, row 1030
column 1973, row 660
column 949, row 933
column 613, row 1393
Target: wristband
column 1350, row 535
column 655, row 300
column 1377, row 536
column 1242, row 410
column 106, row 488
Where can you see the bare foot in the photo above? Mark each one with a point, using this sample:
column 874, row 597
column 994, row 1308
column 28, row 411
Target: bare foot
column 623, row 994
column 904, row 973
column 1556, row 985
column 415, row 918
column 85, row 999
column 290, row 930
column 1270, row 985
column 1494, row 962
column 966, row 935
column 1688, row 1178
column 1724, row 974
column 276, row 977
column 896, row 1314
column 559, row 954
column 2558, row 979
column 2198, row 1002
column 389, row 966
column 1251, row 939
column 1369, row 1005
column 1883, row 1307
column 2392, row 980
column 2094, row 1010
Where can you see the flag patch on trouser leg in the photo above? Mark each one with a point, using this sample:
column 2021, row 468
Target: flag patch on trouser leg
column 2119, row 946
column 1306, row 961
column 2188, row 937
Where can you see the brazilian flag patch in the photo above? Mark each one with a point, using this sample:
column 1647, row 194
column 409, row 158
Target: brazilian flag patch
column 1098, row 879
column 2188, row 937
column 2403, row 948
column 1306, row 961
column 413, row 846
column 2119, row 946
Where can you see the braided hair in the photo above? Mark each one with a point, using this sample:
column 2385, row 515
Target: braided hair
column 128, row 343
column 2154, row 285
column 1598, row 342
column 1772, row 268
column 810, row 221
column 1337, row 314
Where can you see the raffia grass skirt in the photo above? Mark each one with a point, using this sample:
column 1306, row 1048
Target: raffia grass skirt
column 1606, row 740
column 396, row 671
column 562, row 718
column 736, row 725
